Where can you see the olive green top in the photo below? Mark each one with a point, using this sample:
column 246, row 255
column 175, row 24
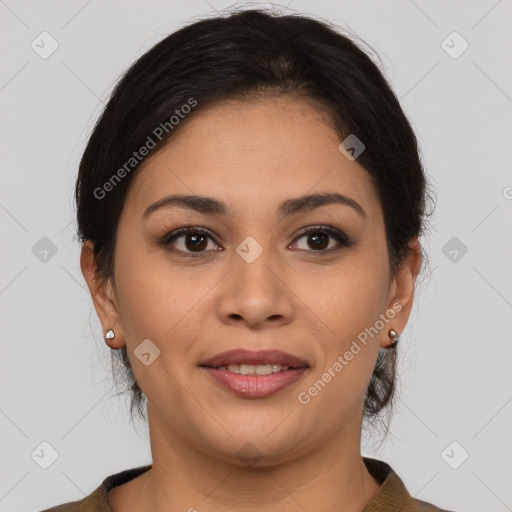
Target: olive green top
column 392, row 495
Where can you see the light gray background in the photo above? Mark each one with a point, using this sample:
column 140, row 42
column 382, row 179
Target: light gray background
column 456, row 353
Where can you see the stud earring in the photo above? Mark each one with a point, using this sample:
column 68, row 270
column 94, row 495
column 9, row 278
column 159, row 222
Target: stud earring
column 394, row 336
column 110, row 335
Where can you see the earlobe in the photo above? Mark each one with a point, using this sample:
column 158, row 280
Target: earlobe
column 403, row 283
column 102, row 294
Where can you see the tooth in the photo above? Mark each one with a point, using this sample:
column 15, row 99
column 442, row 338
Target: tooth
column 254, row 369
column 247, row 369
column 266, row 369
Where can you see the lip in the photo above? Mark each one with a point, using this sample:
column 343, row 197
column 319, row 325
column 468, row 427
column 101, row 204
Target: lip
column 241, row 356
column 254, row 386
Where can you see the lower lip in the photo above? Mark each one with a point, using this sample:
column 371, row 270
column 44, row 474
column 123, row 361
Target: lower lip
column 255, row 386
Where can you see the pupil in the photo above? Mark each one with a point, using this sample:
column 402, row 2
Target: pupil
column 316, row 236
column 194, row 245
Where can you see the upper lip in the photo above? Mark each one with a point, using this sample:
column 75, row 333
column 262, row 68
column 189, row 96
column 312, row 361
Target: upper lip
column 241, row 356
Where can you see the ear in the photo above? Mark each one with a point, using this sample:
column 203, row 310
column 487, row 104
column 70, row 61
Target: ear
column 103, row 296
column 402, row 292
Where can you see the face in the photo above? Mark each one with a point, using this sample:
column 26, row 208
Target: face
column 308, row 279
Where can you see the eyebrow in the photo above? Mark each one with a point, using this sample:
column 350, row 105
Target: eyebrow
column 289, row 207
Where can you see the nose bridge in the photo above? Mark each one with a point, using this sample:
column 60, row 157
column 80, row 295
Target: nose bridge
column 252, row 260
column 254, row 290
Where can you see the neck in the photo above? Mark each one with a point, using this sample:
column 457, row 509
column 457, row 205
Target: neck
column 332, row 474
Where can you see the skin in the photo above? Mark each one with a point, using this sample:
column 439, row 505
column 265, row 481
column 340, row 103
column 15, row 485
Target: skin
column 293, row 297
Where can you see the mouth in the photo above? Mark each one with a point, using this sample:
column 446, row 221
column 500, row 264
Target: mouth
column 255, row 374
column 254, row 369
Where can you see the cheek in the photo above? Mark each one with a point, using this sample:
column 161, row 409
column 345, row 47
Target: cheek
column 358, row 293
column 159, row 304
column 156, row 302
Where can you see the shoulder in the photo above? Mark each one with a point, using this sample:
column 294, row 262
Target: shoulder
column 393, row 494
column 97, row 501
column 423, row 506
column 65, row 507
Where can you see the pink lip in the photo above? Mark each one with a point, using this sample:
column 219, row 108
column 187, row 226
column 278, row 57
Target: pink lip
column 255, row 386
column 241, row 356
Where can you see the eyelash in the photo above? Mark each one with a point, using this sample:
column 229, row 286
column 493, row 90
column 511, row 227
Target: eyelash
column 338, row 235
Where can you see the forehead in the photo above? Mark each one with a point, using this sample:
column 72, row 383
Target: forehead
column 253, row 155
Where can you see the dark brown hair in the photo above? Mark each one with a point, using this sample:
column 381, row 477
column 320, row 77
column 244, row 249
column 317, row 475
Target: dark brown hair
column 236, row 56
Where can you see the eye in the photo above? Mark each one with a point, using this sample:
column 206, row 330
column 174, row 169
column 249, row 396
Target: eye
column 318, row 238
column 195, row 240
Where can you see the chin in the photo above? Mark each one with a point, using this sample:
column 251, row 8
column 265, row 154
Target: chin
column 261, row 447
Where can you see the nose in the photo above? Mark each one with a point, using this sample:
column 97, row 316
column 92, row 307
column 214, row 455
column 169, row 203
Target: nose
column 255, row 292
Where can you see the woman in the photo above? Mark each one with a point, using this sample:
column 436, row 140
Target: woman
column 250, row 203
